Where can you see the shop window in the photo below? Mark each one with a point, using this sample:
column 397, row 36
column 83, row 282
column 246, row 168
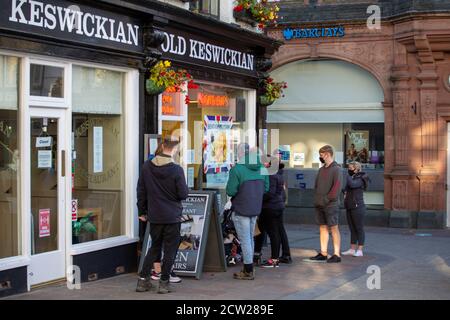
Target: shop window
column 208, row 7
column 217, row 124
column 9, row 156
column 46, row 81
column 98, row 158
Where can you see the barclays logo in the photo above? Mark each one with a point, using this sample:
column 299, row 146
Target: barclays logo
column 331, row 32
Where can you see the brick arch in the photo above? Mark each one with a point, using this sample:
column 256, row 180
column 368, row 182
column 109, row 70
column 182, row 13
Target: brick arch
column 383, row 81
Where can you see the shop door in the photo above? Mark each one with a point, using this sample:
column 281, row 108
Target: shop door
column 48, row 191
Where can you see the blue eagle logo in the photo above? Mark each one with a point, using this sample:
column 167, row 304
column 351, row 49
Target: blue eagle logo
column 288, row 34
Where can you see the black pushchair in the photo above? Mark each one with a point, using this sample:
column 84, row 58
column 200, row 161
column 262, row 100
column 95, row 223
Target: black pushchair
column 233, row 252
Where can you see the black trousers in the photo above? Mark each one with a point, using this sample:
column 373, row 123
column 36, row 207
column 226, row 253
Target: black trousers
column 355, row 219
column 271, row 222
column 164, row 237
column 259, row 240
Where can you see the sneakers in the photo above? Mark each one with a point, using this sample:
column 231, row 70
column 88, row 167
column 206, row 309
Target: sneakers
column 155, row 275
column 242, row 275
column 143, row 285
column 173, row 277
column 320, row 257
column 165, row 287
column 271, row 263
column 334, row 259
column 349, row 252
column 358, row 253
column 285, row 259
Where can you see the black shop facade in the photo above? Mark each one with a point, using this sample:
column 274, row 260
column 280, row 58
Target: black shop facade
column 72, row 91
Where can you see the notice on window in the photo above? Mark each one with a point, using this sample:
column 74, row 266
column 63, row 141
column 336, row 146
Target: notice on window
column 42, row 142
column 74, row 209
column 98, row 149
column 299, row 159
column 44, row 159
column 44, row 223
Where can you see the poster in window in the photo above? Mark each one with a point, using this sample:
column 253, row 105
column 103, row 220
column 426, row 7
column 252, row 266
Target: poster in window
column 217, row 153
column 285, row 152
column 44, row 159
column 98, row 149
column 44, row 223
column 195, row 208
column 357, row 146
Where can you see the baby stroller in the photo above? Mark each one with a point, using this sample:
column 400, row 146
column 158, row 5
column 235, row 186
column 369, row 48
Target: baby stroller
column 233, row 252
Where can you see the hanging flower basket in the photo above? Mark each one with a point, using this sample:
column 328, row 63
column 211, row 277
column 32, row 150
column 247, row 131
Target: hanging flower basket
column 245, row 16
column 152, row 88
column 265, row 101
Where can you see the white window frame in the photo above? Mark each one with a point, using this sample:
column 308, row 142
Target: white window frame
column 250, row 116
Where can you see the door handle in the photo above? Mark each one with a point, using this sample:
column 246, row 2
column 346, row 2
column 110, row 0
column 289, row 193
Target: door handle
column 63, row 163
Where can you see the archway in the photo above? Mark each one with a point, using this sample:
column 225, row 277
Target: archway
column 329, row 101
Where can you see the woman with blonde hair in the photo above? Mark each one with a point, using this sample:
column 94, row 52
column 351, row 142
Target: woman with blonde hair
column 356, row 184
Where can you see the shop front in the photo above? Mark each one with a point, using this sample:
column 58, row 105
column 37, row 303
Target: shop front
column 73, row 117
column 379, row 95
column 218, row 110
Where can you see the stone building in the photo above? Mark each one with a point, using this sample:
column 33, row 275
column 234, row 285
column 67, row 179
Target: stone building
column 408, row 56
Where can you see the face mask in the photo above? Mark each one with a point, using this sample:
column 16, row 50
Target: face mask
column 321, row 160
column 351, row 172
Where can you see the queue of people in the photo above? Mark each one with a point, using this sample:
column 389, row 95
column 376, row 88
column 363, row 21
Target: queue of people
column 258, row 196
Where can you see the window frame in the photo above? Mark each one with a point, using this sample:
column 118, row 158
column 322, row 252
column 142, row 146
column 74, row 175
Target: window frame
column 199, row 7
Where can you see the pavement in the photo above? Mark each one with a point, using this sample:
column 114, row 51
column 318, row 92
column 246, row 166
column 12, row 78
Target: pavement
column 412, row 264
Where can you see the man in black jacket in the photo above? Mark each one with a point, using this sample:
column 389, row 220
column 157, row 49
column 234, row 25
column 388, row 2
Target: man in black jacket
column 161, row 188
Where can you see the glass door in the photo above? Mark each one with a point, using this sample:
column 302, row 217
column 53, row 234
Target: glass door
column 48, row 172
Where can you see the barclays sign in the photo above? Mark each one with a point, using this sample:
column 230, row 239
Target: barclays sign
column 308, row 33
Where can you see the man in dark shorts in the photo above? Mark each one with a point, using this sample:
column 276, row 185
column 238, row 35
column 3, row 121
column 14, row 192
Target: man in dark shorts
column 326, row 202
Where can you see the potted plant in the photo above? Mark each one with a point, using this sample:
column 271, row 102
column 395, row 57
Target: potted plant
column 271, row 91
column 262, row 12
column 162, row 76
column 83, row 229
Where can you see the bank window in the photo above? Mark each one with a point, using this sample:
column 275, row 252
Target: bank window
column 97, row 153
column 217, row 124
column 9, row 157
column 208, row 7
column 46, row 81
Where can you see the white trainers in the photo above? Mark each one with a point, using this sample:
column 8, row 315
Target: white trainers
column 358, row 253
column 349, row 252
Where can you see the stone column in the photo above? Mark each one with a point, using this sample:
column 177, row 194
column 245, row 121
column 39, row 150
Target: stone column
column 400, row 172
column 427, row 173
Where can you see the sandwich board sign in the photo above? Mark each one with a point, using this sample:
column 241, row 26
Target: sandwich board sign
column 201, row 245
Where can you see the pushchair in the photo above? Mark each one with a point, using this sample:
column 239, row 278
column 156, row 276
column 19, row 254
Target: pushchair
column 232, row 245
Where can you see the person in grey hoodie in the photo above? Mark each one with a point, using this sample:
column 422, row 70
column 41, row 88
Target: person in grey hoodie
column 161, row 188
column 247, row 183
column 326, row 202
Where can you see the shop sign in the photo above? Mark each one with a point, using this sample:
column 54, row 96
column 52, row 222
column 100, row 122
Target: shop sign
column 44, row 223
column 171, row 103
column 211, row 100
column 317, row 32
column 66, row 20
column 193, row 49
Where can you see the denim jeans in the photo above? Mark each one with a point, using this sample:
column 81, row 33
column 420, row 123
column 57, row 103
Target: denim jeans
column 245, row 228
